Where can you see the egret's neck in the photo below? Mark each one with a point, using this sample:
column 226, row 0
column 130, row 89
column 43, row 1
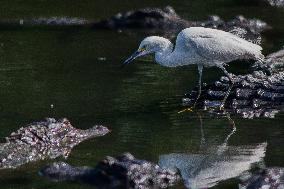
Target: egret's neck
column 163, row 56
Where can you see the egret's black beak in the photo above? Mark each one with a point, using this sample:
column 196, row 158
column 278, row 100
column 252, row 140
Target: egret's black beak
column 132, row 57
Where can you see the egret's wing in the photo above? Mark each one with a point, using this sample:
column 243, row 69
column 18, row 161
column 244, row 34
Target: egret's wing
column 217, row 45
column 222, row 48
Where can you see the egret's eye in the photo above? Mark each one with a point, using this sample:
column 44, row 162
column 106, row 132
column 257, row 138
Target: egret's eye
column 142, row 49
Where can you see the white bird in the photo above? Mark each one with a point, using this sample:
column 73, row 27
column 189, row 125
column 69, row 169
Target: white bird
column 204, row 47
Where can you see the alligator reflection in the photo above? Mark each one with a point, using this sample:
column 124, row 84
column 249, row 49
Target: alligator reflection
column 213, row 163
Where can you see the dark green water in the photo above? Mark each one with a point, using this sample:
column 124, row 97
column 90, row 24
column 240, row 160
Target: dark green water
column 40, row 67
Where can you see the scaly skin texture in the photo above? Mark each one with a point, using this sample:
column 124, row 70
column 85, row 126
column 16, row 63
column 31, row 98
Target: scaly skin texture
column 266, row 178
column 124, row 171
column 260, row 94
column 42, row 140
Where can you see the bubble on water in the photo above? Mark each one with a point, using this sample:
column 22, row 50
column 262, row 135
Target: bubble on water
column 101, row 58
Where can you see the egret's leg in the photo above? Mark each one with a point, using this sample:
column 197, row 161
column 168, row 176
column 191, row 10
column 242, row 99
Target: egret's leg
column 202, row 140
column 200, row 68
column 224, row 146
column 230, row 87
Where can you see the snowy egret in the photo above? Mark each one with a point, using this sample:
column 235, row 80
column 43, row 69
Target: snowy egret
column 204, row 47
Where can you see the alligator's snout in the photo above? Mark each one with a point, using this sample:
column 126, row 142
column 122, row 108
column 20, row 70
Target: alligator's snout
column 100, row 130
column 56, row 171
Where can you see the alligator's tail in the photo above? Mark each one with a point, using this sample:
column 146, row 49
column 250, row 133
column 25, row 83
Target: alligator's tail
column 43, row 21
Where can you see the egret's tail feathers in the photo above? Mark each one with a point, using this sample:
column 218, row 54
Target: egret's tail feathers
column 253, row 47
column 260, row 61
column 260, row 58
column 255, row 53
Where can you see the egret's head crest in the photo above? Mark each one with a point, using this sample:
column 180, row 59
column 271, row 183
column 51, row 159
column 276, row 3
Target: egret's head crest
column 153, row 44
column 149, row 45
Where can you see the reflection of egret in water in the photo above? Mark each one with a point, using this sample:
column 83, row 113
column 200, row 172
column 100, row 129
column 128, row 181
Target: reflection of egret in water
column 215, row 164
column 223, row 146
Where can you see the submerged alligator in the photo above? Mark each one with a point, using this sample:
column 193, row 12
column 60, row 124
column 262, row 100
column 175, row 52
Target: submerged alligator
column 166, row 19
column 159, row 20
column 276, row 3
column 260, row 94
column 264, row 178
column 124, row 171
column 42, row 140
column 156, row 20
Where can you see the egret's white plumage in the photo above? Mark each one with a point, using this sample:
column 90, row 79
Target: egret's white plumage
column 204, row 47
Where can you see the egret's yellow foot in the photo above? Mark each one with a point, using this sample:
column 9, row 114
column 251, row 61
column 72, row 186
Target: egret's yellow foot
column 185, row 110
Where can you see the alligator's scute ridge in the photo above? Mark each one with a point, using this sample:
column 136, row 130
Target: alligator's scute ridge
column 124, row 171
column 259, row 94
column 45, row 139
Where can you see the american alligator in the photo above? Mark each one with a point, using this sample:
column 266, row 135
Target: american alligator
column 276, row 3
column 260, row 94
column 124, row 171
column 156, row 20
column 264, row 178
column 42, row 140
column 166, row 19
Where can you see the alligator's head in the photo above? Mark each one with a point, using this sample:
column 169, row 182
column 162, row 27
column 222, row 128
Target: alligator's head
column 42, row 140
column 67, row 137
column 75, row 136
column 95, row 131
column 58, row 171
